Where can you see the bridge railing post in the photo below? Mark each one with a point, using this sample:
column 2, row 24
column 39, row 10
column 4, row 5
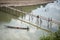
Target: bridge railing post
column 37, row 20
column 29, row 17
column 40, row 21
column 49, row 25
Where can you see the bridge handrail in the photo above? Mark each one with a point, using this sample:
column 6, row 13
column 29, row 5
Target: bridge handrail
column 44, row 18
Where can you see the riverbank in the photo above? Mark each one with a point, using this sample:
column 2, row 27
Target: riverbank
column 23, row 2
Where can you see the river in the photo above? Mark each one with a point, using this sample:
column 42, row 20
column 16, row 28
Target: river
column 7, row 18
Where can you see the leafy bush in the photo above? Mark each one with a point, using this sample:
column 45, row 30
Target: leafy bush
column 54, row 36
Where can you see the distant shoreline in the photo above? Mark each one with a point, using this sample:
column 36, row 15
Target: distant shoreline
column 22, row 3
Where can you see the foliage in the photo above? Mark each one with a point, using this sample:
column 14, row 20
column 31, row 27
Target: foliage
column 54, row 36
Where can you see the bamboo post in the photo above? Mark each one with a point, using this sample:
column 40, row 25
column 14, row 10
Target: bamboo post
column 49, row 23
column 40, row 22
column 32, row 18
column 29, row 17
column 22, row 16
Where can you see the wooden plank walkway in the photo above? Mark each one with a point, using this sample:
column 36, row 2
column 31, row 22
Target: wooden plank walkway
column 44, row 18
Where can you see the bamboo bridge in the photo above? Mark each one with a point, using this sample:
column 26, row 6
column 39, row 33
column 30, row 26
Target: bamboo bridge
column 44, row 18
column 37, row 16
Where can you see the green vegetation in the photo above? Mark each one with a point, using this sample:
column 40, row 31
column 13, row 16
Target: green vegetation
column 28, row 8
column 54, row 36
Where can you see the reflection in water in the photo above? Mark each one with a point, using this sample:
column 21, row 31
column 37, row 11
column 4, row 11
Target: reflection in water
column 18, row 34
column 11, row 12
column 52, row 11
column 4, row 17
column 14, row 34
